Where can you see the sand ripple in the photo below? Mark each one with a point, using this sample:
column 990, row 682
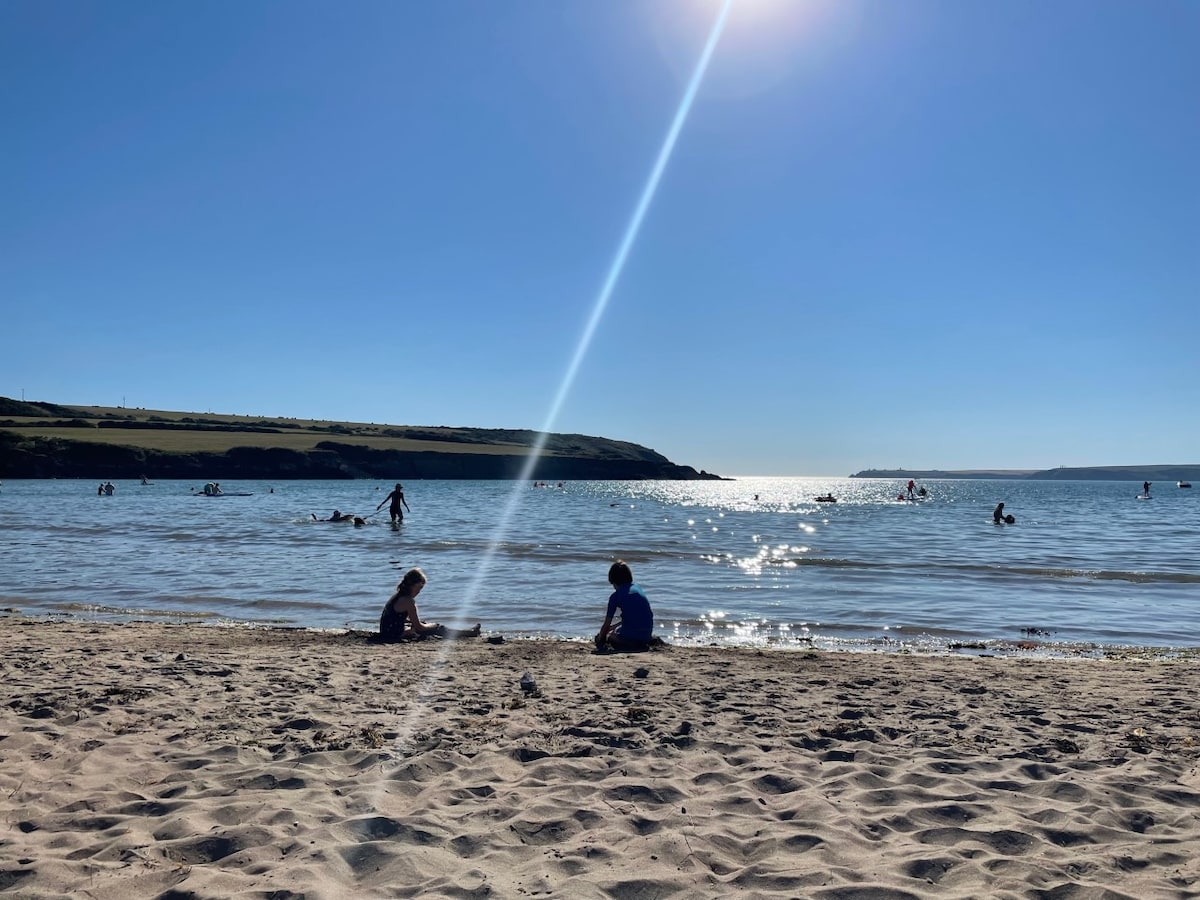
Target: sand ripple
column 181, row 763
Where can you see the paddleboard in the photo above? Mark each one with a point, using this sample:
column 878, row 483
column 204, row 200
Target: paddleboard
column 224, row 494
column 1143, row 497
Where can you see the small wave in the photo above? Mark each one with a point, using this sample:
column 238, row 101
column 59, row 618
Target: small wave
column 833, row 563
column 550, row 551
column 1031, row 571
column 1091, row 574
column 126, row 611
column 281, row 608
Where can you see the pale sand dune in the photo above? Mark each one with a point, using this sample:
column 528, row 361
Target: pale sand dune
column 191, row 762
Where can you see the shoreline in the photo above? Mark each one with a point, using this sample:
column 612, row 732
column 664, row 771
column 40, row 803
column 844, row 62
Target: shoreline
column 151, row 759
column 1032, row 647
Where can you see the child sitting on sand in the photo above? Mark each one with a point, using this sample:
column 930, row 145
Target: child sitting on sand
column 637, row 618
column 400, row 619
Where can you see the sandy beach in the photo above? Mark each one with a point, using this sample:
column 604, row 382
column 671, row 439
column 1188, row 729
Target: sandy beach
column 179, row 761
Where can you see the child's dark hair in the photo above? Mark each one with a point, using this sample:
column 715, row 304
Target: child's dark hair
column 619, row 573
column 411, row 577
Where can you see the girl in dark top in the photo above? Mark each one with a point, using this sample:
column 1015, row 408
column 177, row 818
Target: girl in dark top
column 400, row 619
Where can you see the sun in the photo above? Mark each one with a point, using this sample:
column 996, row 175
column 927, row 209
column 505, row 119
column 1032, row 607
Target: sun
column 763, row 43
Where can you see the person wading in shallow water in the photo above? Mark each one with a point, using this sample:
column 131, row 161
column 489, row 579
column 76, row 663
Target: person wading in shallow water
column 397, row 499
column 1002, row 518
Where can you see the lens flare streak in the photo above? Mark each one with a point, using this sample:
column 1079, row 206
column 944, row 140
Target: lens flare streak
column 598, row 309
column 602, row 299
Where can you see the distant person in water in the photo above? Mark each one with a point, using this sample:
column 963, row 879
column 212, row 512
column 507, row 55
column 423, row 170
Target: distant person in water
column 399, row 504
column 400, row 619
column 998, row 514
column 338, row 516
column 1146, row 488
column 912, row 485
column 636, row 626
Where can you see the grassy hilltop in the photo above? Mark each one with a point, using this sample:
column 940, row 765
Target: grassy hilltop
column 41, row 440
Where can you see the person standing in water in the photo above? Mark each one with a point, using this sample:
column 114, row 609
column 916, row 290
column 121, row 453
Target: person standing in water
column 1146, row 488
column 399, row 504
column 998, row 514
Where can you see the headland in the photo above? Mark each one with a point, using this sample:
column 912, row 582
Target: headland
column 49, row 440
column 1155, row 473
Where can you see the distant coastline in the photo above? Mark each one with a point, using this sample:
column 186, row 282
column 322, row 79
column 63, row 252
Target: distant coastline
column 1153, row 473
column 49, row 440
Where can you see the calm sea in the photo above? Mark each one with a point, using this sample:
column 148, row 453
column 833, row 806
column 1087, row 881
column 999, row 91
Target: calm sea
column 751, row 562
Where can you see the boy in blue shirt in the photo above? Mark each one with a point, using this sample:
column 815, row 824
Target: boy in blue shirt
column 637, row 619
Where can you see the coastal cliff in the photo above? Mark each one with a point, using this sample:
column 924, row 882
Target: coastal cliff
column 46, row 440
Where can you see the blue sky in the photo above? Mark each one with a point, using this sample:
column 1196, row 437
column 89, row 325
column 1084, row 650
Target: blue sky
column 927, row 234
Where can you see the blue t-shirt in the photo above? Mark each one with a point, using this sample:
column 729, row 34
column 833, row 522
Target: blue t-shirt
column 637, row 619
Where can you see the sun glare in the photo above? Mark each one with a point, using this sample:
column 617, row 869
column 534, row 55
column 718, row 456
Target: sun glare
column 763, row 42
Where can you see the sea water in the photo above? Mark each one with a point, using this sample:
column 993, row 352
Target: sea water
column 752, row 561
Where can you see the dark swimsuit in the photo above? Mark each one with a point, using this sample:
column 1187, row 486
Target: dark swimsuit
column 391, row 624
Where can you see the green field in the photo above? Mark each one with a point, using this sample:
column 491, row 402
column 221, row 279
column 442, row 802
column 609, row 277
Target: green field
column 193, row 441
column 189, row 432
